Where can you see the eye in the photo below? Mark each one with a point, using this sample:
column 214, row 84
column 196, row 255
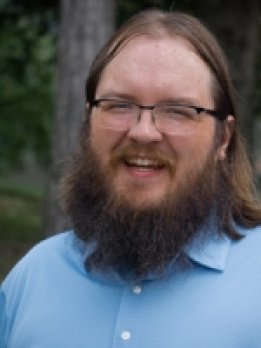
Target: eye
column 178, row 112
column 117, row 106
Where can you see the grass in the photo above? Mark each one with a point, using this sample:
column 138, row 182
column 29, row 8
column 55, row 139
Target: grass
column 20, row 222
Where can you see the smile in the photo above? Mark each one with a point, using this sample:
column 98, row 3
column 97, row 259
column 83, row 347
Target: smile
column 144, row 163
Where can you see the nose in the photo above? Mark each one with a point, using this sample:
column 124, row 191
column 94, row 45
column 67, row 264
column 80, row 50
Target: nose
column 144, row 130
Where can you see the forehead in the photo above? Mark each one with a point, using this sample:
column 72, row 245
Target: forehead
column 165, row 67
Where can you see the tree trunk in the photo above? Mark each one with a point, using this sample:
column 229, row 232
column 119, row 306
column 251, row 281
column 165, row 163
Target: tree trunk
column 85, row 26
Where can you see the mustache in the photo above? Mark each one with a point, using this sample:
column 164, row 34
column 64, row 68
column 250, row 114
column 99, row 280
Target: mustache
column 143, row 151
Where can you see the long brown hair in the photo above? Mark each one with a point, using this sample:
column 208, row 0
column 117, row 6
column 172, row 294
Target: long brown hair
column 244, row 206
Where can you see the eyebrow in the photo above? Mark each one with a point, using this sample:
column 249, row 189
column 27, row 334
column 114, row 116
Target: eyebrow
column 181, row 101
column 123, row 96
column 131, row 98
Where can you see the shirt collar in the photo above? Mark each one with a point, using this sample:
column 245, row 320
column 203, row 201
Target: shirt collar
column 210, row 251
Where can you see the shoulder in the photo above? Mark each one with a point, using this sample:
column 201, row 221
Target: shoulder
column 251, row 236
column 60, row 251
column 247, row 250
column 52, row 244
column 41, row 276
column 2, row 319
column 49, row 247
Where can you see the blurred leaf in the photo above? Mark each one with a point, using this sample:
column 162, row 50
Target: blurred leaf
column 27, row 69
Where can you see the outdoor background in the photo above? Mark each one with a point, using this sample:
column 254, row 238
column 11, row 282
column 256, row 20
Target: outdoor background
column 46, row 48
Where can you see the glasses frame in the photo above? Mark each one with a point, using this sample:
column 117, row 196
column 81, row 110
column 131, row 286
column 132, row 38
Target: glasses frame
column 198, row 109
column 214, row 113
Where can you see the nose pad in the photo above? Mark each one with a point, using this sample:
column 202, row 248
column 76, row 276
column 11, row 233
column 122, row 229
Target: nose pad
column 144, row 130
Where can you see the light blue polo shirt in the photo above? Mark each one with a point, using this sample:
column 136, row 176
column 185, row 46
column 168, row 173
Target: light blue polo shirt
column 2, row 320
column 52, row 302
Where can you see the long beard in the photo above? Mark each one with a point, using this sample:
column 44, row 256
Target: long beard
column 137, row 242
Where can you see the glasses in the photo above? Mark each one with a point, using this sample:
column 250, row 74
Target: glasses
column 168, row 118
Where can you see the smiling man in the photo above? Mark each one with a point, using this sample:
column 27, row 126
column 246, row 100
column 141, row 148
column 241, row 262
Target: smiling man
column 165, row 249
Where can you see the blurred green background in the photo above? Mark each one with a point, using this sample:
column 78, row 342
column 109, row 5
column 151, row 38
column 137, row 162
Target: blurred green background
column 28, row 51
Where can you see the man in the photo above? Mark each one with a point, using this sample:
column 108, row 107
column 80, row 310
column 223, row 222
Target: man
column 165, row 250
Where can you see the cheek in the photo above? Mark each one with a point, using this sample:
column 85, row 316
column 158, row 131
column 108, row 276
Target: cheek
column 103, row 141
column 193, row 150
column 99, row 143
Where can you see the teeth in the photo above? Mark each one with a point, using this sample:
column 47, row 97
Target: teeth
column 143, row 162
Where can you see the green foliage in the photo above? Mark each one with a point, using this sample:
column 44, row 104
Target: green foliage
column 127, row 8
column 20, row 212
column 26, row 84
column 11, row 189
column 20, row 221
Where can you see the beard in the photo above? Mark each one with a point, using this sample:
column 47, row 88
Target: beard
column 136, row 242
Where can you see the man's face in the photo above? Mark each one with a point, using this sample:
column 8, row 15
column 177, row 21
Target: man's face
column 150, row 71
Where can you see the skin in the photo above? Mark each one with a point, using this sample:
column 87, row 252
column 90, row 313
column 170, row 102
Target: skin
column 149, row 71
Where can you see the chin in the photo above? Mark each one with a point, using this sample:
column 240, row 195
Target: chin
column 140, row 200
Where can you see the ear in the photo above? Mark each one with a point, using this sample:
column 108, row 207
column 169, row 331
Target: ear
column 229, row 126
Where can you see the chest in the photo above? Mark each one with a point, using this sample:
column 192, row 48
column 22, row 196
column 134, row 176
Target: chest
column 198, row 309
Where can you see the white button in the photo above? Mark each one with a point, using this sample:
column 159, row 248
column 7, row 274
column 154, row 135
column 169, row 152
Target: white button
column 125, row 335
column 136, row 289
